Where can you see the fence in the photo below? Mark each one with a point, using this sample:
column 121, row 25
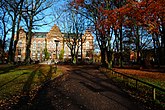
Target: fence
column 154, row 87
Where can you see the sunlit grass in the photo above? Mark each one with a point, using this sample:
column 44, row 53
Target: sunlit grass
column 17, row 80
column 158, row 83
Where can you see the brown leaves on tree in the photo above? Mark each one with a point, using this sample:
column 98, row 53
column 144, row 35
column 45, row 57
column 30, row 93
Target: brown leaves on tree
column 147, row 13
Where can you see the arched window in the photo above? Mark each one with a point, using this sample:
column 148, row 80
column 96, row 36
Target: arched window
column 34, row 44
column 59, row 45
column 19, row 51
column 87, row 45
column 20, row 43
column 39, row 44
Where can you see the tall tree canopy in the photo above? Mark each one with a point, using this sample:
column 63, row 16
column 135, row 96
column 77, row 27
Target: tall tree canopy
column 113, row 16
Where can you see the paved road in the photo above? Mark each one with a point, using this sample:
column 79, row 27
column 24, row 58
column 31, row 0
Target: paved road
column 83, row 88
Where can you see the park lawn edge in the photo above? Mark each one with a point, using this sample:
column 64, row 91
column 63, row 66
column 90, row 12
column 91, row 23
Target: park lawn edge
column 14, row 95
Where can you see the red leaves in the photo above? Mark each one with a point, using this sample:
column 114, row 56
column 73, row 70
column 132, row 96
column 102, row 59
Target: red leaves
column 79, row 1
column 143, row 13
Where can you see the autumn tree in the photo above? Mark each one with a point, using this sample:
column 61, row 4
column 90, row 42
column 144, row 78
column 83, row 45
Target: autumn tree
column 144, row 16
column 156, row 21
column 96, row 11
column 148, row 14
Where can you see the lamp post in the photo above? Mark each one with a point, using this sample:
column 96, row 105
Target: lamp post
column 56, row 41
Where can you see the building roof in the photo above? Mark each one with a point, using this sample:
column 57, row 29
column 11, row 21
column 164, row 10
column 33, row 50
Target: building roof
column 40, row 34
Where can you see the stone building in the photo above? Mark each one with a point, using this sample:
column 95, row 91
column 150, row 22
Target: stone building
column 54, row 41
column 21, row 46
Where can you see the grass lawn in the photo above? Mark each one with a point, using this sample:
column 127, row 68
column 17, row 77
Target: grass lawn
column 17, row 81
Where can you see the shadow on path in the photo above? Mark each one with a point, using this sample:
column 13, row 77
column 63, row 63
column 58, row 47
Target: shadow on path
column 96, row 84
column 82, row 90
column 101, row 84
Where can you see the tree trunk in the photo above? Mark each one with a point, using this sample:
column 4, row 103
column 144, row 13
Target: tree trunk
column 10, row 54
column 108, row 51
column 29, row 37
column 18, row 26
column 163, row 43
column 117, row 47
column 158, row 50
column 77, row 54
column 121, row 47
column 138, row 45
column 28, row 43
column 109, row 58
column 4, row 39
column 72, row 55
column 81, row 49
column 103, row 57
column 17, row 35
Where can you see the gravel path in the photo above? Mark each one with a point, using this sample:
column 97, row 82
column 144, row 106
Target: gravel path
column 82, row 88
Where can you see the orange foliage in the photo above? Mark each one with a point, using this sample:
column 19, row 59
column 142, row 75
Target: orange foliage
column 152, row 74
column 79, row 1
column 147, row 13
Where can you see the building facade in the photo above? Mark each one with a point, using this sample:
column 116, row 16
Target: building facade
column 54, row 41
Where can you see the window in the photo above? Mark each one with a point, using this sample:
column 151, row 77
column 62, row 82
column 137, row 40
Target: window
column 59, row 44
column 43, row 46
column 39, row 44
column 79, row 51
column 20, row 44
column 87, row 45
column 50, row 45
column 87, row 53
column 34, row 44
column 33, row 52
column 38, row 54
column 19, row 51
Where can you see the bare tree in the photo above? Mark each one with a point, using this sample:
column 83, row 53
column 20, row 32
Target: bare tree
column 18, row 25
column 33, row 14
column 76, row 26
column 13, row 10
column 5, row 28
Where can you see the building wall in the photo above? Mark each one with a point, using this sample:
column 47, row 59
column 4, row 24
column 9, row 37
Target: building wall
column 54, row 38
column 37, row 48
column 50, row 40
column 21, row 46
